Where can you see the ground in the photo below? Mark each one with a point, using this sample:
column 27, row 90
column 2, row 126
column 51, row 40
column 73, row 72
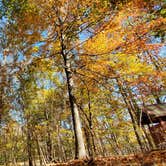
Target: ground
column 152, row 158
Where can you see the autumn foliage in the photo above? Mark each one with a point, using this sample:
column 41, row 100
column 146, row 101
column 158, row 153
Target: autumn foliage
column 75, row 78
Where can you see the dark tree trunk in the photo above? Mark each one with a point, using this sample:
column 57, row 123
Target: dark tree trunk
column 29, row 147
column 48, row 140
column 38, row 150
column 132, row 114
column 49, row 147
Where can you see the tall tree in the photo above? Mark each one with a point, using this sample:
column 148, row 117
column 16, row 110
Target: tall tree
column 65, row 21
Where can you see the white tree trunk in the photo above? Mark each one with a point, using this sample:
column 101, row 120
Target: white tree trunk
column 80, row 151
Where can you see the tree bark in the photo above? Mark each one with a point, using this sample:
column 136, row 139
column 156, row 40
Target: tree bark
column 131, row 112
column 80, row 151
column 38, row 150
column 29, row 147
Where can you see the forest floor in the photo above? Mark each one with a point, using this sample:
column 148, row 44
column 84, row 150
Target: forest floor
column 152, row 158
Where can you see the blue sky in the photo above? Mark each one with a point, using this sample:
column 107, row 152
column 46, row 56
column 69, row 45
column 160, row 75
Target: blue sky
column 162, row 52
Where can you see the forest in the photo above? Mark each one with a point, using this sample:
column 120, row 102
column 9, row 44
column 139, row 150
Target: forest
column 82, row 80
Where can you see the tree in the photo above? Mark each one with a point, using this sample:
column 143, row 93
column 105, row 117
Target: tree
column 64, row 22
column 81, row 66
column 116, row 53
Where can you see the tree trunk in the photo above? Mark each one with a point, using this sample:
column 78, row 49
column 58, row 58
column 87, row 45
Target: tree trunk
column 49, row 146
column 61, row 151
column 131, row 113
column 2, row 82
column 80, row 151
column 38, row 150
column 48, row 138
column 29, row 147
